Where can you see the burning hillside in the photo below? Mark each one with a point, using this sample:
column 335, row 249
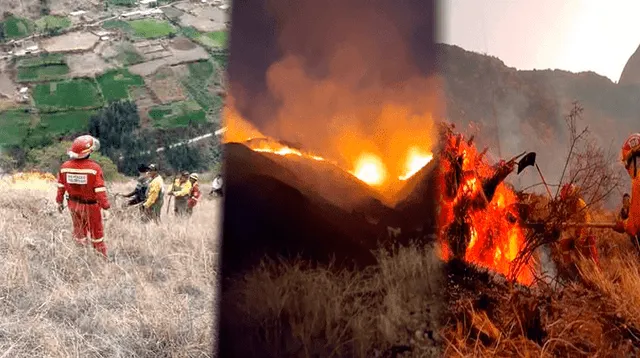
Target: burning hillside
column 369, row 167
column 474, row 200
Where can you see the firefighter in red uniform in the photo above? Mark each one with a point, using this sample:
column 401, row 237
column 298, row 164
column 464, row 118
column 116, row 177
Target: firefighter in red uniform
column 630, row 155
column 195, row 194
column 82, row 179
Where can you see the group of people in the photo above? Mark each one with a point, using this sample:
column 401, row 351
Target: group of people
column 149, row 193
column 82, row 181
column 582, row 239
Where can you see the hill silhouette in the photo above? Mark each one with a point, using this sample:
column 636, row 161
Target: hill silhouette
column 519, row 110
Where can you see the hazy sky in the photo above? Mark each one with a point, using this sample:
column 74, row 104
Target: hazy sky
column 572, row 35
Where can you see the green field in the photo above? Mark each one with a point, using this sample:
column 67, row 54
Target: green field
column 15, row 27
column 178, row 114
column 115, row 84
column 44, row 59
column 128, row 3
column 151, row 28
column 78, row 93
column 42, row 73
column 15, row 125
column 65, row 122
column 52, row 23
column 215, row 39
column 197, row 84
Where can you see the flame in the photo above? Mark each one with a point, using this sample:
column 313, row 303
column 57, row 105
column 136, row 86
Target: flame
column 494, row 241
column 29, row 181
column 365, row 165
column 416, row 160
column 370, row 169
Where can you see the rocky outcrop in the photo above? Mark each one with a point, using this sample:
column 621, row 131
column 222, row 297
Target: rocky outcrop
column 631, row 72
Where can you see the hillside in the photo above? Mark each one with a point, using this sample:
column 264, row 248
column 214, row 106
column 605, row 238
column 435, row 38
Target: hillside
column 155, row 299
column 60, row 66
column 525, row 110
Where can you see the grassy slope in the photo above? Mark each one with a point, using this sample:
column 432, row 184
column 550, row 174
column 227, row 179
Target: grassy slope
column 59, row 300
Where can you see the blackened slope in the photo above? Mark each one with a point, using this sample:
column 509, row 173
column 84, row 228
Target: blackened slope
column 418, row 199
column 330, row 182
column 266, row 214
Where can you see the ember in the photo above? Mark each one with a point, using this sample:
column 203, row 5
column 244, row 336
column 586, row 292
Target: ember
column 489, row 238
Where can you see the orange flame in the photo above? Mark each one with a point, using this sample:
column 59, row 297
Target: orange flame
column 416, row 160
column 370, row 169
column 495, row 242
column 29, row 181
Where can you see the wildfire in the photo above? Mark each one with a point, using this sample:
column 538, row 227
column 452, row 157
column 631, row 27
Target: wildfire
column 29, row 181
column 360, row 162
column 416, row 160
column 494, row 241
column 370, row 169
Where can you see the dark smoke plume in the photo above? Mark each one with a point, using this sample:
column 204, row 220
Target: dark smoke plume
column 326, row 73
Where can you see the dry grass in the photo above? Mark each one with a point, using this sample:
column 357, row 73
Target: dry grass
column 305, row 312
column 287, row 309
column 58, row 300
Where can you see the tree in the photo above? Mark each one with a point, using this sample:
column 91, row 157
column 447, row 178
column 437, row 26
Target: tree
column 121, row 138
column 50, row 158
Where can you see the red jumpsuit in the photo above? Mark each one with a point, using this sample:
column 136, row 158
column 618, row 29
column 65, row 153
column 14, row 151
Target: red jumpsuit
column 632, row 223
column 82, row 179
column 194, row 197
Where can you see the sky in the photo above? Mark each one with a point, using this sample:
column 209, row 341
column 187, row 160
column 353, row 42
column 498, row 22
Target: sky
column 571, row 35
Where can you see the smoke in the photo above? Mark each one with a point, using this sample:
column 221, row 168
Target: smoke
column 343, row 77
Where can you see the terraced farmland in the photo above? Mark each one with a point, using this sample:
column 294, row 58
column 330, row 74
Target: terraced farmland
column 167, row 69
column 15, row 124
column 115, row 84
column 178, row 114
column 80, row 93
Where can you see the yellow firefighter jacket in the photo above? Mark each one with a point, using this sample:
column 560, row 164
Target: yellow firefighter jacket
column 154, row 192
column 181, row 190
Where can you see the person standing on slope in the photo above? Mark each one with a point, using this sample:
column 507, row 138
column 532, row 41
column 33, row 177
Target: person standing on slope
column 631, row 161
column 155, row 198
column 83, row 180
column 195, row 194
column 180, row 191
column 139, row 193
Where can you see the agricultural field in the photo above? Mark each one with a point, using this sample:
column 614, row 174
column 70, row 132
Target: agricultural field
column 169, row 69
column 80, row 93
column 178, row 114
column 14, row 124
column 42, row 73
column 42, row 68
column 65, row 122
column 129, row 3
column 143, row 28
column 211, row 40
column 52, row 23
column 115, row 84
column 15, row 27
